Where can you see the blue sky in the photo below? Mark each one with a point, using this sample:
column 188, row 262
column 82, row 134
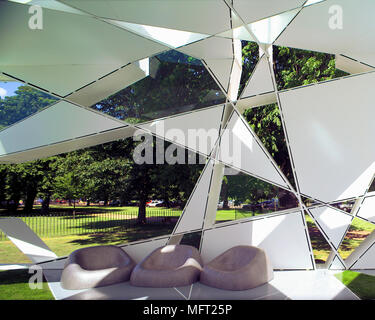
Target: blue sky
column 8, row 88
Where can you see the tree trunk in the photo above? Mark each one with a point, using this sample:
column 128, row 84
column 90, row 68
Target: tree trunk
column 287, row 199
column 224, row 194
column 29, row 202
column 142, row 212
column 88, row 203
column 45, row 205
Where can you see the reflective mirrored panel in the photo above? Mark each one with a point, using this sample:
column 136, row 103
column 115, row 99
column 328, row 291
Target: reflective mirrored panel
column 18, row 101
column 175, row 83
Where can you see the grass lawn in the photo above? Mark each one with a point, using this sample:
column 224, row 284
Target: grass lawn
column 14, row 285
column 361, row 284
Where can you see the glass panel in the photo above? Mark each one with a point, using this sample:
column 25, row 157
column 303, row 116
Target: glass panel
column 18, row 101
column 296, row 67
column 250, row 57
column 176, row 83
column 243, row 196
column 192, row 239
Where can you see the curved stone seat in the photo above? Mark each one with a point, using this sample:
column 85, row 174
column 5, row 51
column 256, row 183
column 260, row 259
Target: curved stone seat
column 96, row 267
column 168, row 266
column 239, row 268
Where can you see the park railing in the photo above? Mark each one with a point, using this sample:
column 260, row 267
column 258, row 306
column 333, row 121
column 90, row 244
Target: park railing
column 66, row 223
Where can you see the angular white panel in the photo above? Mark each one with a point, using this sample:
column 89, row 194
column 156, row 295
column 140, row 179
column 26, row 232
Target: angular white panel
column 351, row 66
column 138, row 251
column 194, row 211
column 108, row 85
column 367, row 260
column 60, row 122
column 211, row 48
column 221, row 68
column 197, row 130
column 196, row 16
column 337, row 264
column 255, row 101
column 26, row 240
column 367, row 209
column 283, row 238
column 68, row 146
column 254, row 10
column 54, row 5
column 335, row 120
column 333, row 222
column 260, row 81
column 239, row 149
column 69, row 52
column 342, row 27
column 170, row 37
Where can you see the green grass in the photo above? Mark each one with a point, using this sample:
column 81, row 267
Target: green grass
column 14, row 285
column 361, row 284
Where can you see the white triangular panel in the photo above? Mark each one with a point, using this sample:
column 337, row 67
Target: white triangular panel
column 54, row 5
column 367, row 209
column 222, row 70
column 267, row 30
column 60, row 122
column 170, row 37
column 333, row 222
column 197, row 130
column 282, row 237
column 239, row 149
column 260, row 81
column 335, row 121
column 26, row 240
column 194, row 211
column 341, row 27
column 211, row 48
column 337, row 264
column 367, row 260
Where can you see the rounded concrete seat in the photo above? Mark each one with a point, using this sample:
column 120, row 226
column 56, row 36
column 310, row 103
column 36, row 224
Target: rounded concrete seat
column 239, row 268
column 96, row 267
column 168, row 266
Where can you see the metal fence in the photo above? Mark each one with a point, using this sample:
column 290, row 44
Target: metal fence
column 66, row 223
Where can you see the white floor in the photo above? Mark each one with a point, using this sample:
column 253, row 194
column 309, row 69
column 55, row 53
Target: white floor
column 295, row 285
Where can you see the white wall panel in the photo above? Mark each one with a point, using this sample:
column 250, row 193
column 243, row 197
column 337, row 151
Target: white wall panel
column 282, row 237
column 26, row 240
column 331, row 133
column 57, row 123
column 221, row 68
column 197, row 130
column 211, row 48
column 260, row 81
column 193, row 215
column 367, row 209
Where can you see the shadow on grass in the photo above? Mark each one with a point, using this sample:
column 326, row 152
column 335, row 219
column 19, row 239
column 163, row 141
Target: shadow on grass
column 121, row 235
column 16, row 276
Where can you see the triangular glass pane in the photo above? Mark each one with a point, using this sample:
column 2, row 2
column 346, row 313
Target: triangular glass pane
column 19, row 101
column 192, row 239
column 358, row 231
column 250, row 58
column 320, row 246
column 297, row 67
column 266, row 123
column 346, row 206
column 175, row 83
column 243, row 196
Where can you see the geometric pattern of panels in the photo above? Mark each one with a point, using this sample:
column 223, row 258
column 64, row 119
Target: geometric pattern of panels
column 80, row 49
column 353, row 40
column 334, row 223
column 183, row 129
column 59, row 122
column 339, row 161
column 367, row 209
column 89, row 50
column 286, row 249
column 240, row 149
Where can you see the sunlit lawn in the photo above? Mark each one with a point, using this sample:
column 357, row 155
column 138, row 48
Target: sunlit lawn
column 361, row 284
